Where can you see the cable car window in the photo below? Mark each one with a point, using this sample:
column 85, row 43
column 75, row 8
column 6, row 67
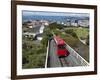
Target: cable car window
column 61, row 47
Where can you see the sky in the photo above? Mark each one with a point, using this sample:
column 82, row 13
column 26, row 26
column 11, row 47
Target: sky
column 44, row 13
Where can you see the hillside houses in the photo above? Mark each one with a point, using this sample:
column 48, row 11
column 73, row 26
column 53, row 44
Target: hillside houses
column 75, row 23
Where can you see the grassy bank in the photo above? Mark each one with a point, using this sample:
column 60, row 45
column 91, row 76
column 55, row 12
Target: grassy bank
column 82, row 33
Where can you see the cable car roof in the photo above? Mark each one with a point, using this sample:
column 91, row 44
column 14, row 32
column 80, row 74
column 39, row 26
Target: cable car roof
column 58, row 40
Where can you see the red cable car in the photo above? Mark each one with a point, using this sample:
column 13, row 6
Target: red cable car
column 61, row 51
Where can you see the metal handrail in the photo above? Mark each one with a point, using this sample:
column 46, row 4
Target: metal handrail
column 78, row 56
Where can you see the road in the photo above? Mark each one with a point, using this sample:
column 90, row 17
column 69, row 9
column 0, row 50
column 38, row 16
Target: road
column 54, row 61
column 53, row 58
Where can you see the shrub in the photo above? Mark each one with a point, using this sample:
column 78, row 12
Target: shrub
column 87, row 40
column 71, row 32
column 74, row 34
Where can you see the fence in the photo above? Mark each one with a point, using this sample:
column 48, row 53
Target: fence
column 81, row 61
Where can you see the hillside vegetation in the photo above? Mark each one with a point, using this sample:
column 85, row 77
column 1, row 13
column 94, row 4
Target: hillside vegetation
column 71, row 37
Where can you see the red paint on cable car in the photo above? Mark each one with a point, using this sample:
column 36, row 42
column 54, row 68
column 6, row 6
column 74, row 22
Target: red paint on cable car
column 61, row 50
